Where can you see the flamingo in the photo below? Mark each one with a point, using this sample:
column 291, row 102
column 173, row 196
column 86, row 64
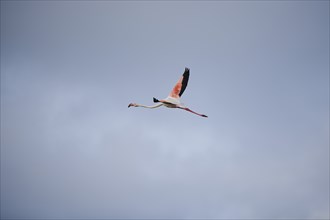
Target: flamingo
column 173, row 100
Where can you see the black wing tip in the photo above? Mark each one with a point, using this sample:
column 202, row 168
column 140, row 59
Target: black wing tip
column 185, row 80
column 156, row 100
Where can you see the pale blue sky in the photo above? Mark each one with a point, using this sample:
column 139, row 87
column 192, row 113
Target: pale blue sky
column 70, row 147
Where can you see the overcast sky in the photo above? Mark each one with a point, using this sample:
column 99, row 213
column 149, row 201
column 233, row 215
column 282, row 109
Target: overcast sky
column 70, row 147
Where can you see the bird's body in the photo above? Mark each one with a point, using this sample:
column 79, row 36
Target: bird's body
column 173, row 100
column 170, row 102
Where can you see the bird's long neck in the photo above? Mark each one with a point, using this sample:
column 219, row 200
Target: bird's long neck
column 153, row 106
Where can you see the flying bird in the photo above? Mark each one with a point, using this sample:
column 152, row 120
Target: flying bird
column 173, row 100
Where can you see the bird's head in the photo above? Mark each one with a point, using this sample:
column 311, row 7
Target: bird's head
column 132, row 104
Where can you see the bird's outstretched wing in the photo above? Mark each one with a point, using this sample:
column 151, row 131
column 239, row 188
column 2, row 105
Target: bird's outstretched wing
column 181, row 85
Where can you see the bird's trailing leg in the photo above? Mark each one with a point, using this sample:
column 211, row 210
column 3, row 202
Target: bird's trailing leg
column 189, row 110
